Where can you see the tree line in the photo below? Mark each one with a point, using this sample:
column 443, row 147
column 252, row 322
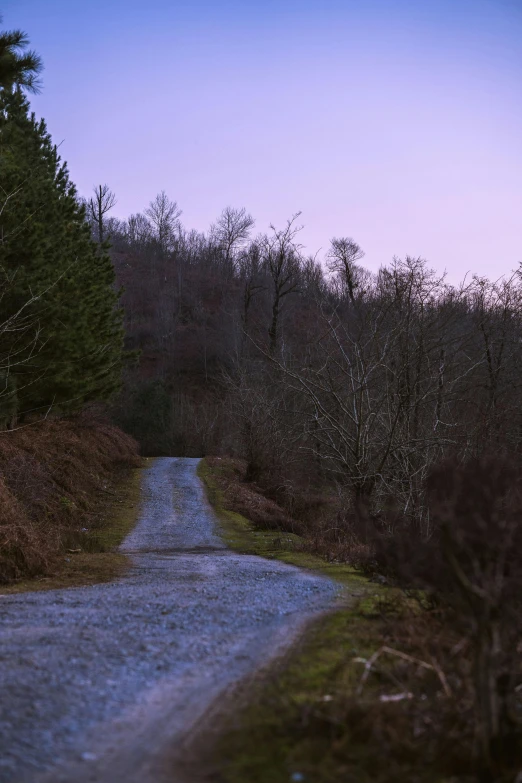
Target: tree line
column 361, row 379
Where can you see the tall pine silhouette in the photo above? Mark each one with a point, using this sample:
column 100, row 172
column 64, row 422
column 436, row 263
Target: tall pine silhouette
column 47, row 252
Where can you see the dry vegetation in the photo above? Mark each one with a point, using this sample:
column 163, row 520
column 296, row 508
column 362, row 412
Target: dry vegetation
column 317, row 719
column 316, row 516
column 247, row 498
column 422, row 682
column 57, row 482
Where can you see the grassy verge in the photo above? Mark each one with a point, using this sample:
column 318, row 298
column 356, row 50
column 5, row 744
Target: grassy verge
column 297, row 725
column 331, row 712
column 98, row 560
column 314, row 717
column 243, row 536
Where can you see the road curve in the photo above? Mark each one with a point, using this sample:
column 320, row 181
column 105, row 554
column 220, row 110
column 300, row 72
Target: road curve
column 103, row 683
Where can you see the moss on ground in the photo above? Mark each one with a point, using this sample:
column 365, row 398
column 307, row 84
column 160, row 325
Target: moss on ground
column 243, row 536
column 98, row 561
column 308, row 721
column 290, row 727
column 302, row 718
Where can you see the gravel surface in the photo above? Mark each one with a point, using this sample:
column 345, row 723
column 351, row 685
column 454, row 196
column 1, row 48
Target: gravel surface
column 102, row 683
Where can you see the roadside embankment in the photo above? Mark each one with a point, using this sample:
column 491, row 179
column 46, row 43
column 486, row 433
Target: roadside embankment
column 376, row 691
column 253, row 524
column 69, row 492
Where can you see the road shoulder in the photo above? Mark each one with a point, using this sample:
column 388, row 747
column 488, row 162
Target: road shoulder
column 98, row 560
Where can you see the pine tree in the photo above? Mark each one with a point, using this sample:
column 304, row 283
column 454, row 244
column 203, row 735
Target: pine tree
column 18, row 66
column 47, row 251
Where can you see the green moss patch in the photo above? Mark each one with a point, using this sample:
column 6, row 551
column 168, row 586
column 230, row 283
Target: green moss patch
column 314, row 718
column 290, row 727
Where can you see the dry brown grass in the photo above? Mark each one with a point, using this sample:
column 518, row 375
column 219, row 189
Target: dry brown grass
column 315, row 516
column 55, row 478
column 247, row 498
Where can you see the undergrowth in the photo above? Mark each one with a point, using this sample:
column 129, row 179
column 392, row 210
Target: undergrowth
column 382, row 691
column 316, row 718
column 265, row 531
column 60, row 485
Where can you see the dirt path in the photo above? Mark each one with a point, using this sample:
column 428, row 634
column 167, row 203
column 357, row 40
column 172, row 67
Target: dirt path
column 103, row 683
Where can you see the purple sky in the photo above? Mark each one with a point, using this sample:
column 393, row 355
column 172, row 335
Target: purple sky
column 396, row 122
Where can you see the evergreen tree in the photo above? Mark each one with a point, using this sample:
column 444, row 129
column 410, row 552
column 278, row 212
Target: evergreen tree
column 19, row 67
column 47, row 251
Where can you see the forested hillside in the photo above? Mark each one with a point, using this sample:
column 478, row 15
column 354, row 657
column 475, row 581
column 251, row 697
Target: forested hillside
column 294, row 363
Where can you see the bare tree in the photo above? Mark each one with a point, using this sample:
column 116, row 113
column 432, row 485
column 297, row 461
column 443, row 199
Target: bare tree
column 342, row 259
column 232, row 230
column 477, row 510
column 282, row 258
column 98, row 206
column 313, row 282
column 251, row 275
column 496, row 316
column 380, row 408
column 138, row 230
column 164, row 215
column 266, row 429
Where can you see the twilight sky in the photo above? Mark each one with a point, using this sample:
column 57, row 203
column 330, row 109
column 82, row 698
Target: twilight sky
column 396, row 122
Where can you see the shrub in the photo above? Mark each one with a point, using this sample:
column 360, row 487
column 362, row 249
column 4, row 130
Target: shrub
column 472, row 565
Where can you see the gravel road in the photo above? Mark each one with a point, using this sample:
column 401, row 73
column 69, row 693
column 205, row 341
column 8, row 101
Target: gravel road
column 103, row 683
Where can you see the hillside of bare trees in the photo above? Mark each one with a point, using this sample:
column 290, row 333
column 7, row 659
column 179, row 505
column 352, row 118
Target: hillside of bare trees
column 312, row 368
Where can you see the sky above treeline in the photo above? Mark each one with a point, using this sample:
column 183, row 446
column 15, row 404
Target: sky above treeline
column 395, row 122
